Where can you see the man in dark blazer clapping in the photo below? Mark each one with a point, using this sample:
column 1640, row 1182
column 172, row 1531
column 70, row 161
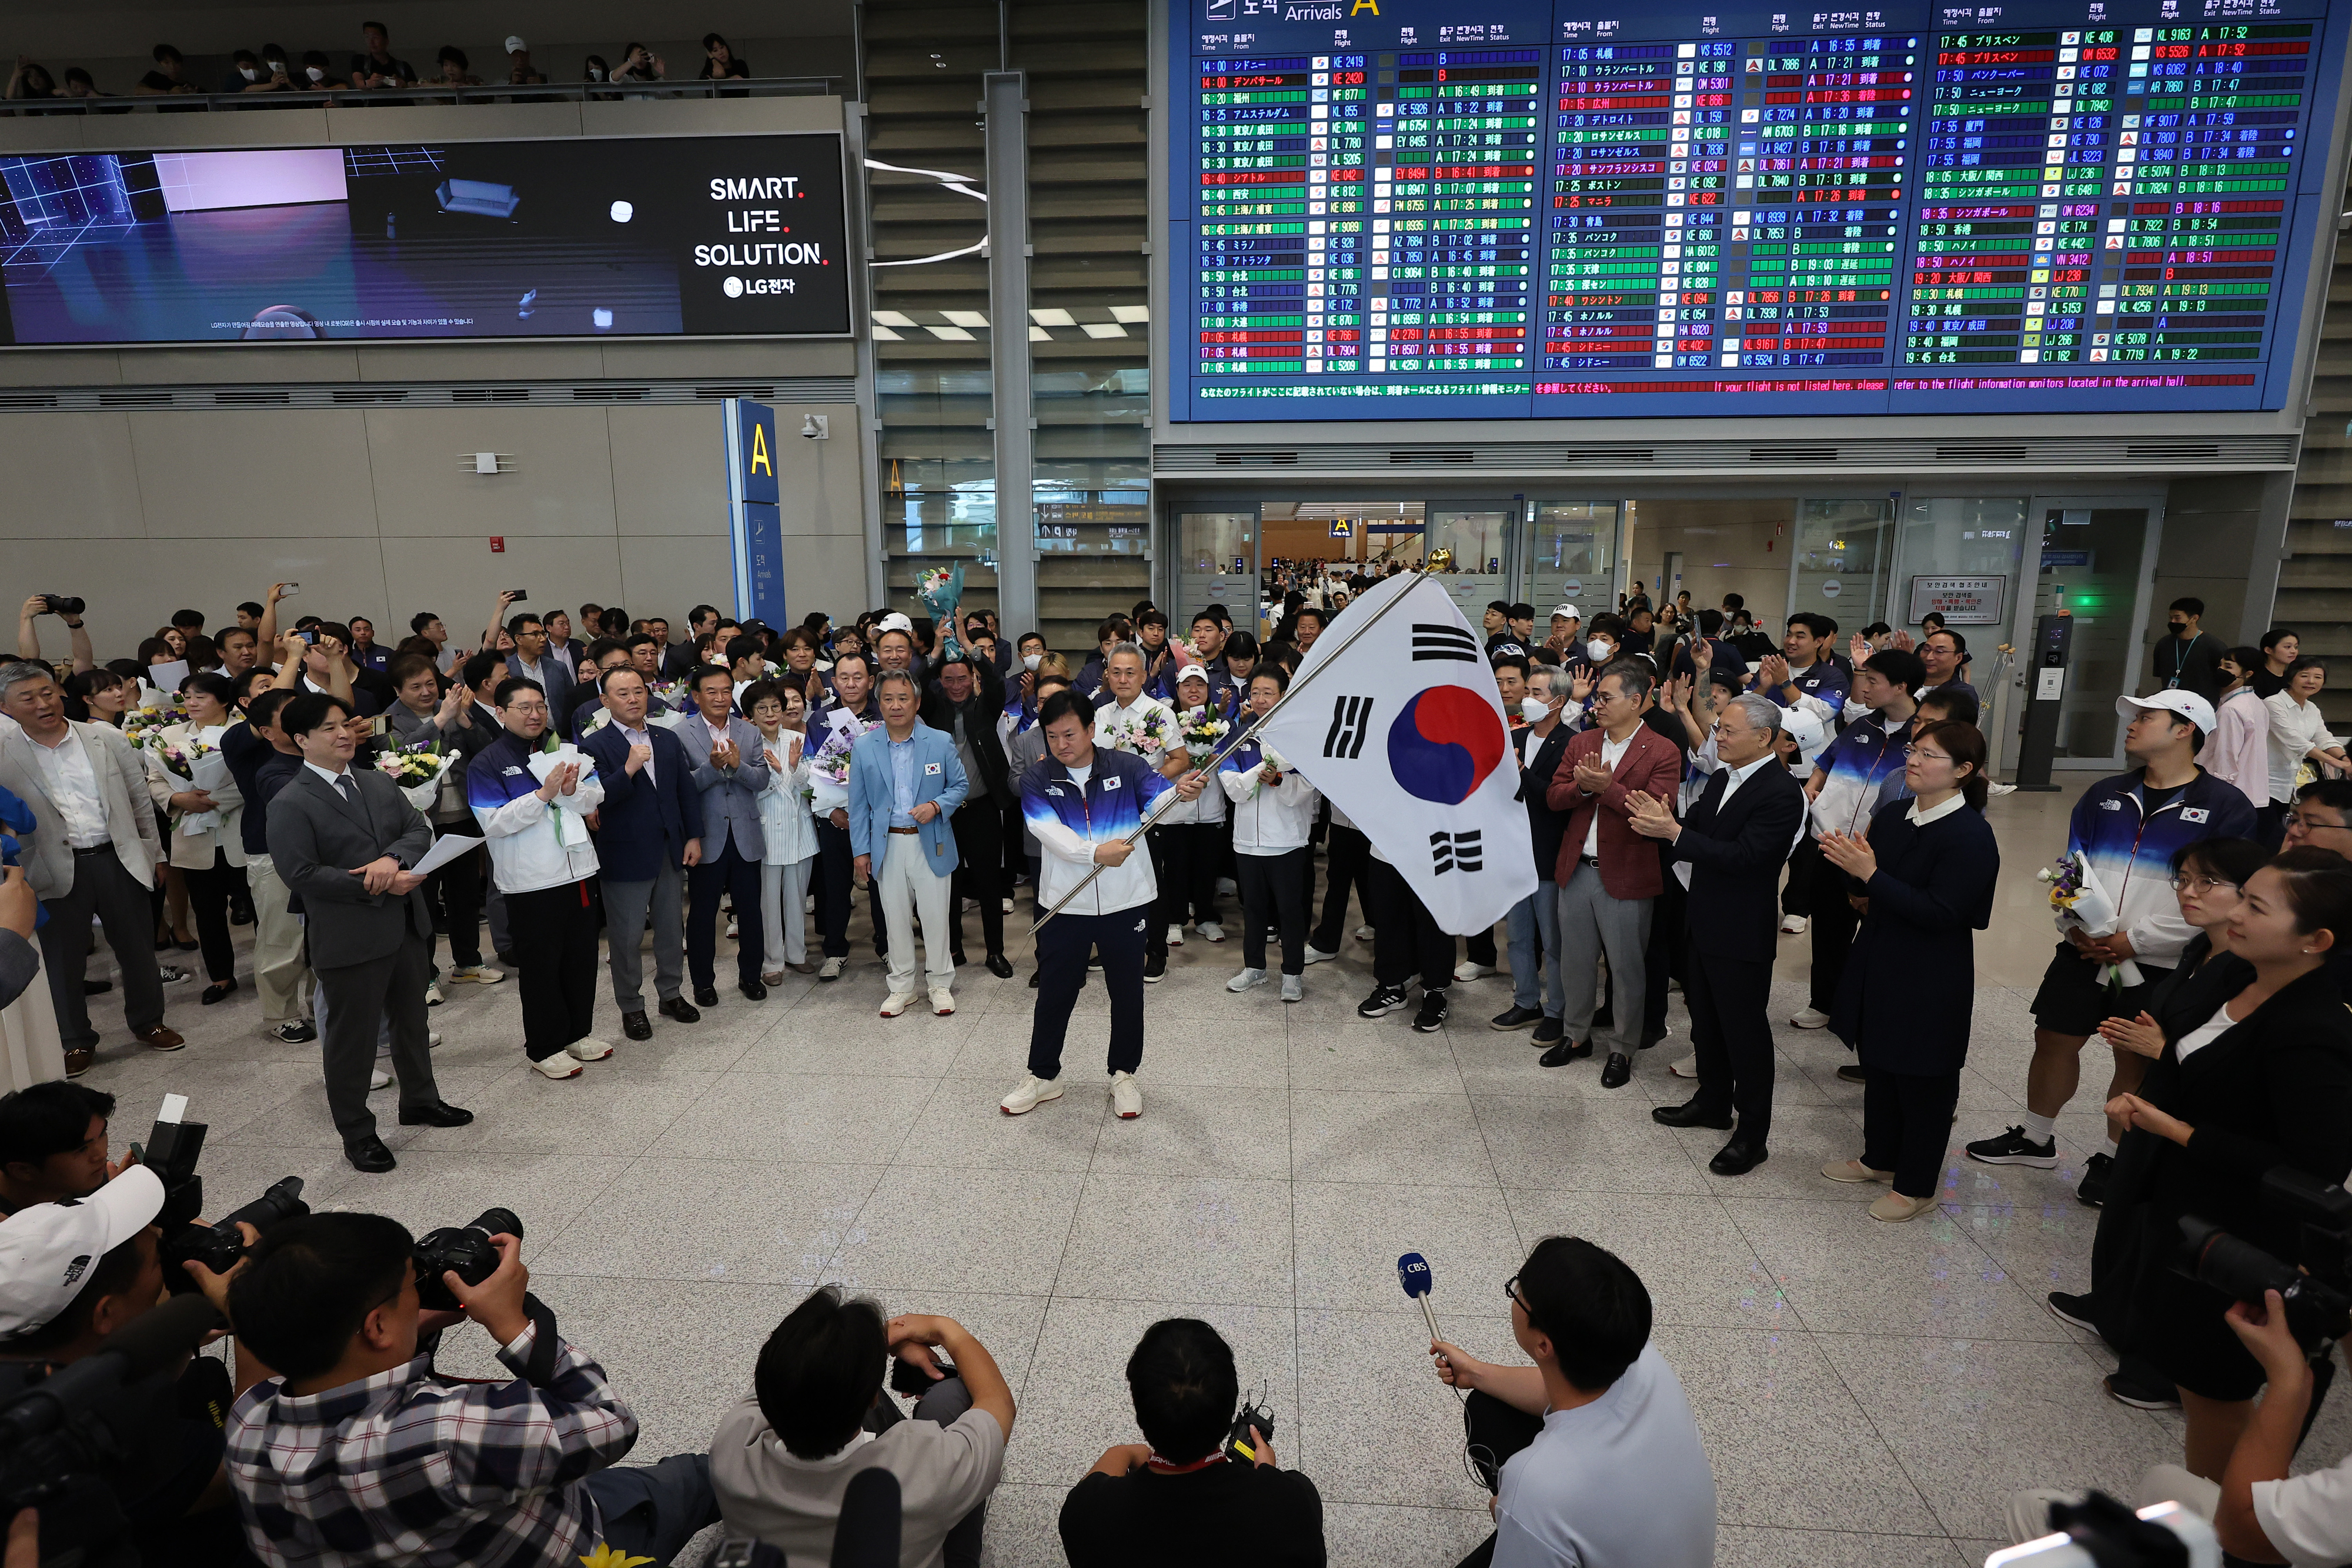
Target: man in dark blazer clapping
column 343, row 839
column 1738, row 833
column 647, row 835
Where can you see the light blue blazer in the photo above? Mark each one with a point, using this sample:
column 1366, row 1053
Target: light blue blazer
column 939, row 775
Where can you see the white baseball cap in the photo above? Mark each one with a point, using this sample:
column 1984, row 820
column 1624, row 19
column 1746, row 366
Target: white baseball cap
column 896, row 621
column 1190, row 672
column 2173, row 699
column 1567, row 610
column 515, row 45
column 47, row 1251
column 1813, row 736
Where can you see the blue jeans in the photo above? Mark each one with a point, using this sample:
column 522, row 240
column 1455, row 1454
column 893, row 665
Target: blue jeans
column 1535, row 925
column 653, row 1510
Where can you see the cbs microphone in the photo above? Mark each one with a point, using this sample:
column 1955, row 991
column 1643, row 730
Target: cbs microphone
column 1412, row 1274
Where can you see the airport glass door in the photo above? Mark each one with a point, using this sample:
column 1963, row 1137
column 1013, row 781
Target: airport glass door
column 2094, row 562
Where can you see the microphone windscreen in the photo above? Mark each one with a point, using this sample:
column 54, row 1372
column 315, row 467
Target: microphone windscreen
column 1412, row 1274
column 866, row 1536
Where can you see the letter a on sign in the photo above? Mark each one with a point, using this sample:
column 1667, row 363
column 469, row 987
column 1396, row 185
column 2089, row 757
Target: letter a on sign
column 760, row 462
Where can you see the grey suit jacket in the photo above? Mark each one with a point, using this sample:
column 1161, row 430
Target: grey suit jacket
column 317, row 838
column 121, row 785
column 730, row 801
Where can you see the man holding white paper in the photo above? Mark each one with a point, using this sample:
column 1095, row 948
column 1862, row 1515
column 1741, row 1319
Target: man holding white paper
column 533, row 799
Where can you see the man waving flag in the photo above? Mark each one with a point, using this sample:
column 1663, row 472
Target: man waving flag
column 1401, row 727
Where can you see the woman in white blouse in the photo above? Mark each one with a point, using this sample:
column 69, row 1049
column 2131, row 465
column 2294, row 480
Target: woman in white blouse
column 779, row 713
column 2298, row 735
column 205, row 841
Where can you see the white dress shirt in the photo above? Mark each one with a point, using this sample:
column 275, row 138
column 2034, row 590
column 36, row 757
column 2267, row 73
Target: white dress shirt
column 335, row 780
column 1733, row 778
column 72, row 780
column 1934, row 814
column 640, row 736
column 1612, row 752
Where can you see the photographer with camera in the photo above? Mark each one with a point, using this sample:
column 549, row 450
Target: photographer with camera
column 2255, row 1073
column 784, row 1458
column 354, row 1450
column 66, row 609
column 1592, row 1453
column 1203, row 1485
column 74, row 1274
column 53, row 1145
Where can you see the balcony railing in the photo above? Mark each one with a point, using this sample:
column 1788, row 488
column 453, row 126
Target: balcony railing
column 502, row 92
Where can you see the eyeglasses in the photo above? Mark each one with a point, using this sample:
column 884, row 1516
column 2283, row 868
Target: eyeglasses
column 2187, row 883
column 1924, row 755
column 2295, row 819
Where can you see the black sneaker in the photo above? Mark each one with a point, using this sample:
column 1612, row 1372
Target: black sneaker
column 1432, row 1016
column 1516, row 1018
column 2074, row 1309
column 2125, row 1389
column 1154, row 968
column 2014, row 1148
column 1384, row 1000
column 2095, row 1172
column 1547, row 1033
column 296, row 1032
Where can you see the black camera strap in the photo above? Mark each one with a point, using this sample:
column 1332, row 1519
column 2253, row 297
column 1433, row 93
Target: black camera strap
column 540, row 1370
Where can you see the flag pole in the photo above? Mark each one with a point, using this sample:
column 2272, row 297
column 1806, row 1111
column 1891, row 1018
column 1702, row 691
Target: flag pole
column 1236, row 744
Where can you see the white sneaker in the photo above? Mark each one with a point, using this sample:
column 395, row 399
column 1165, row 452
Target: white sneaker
column 968, row 907
column 1229, row 887
column 433, row 996
column 1246, row 979
column 942, row 1000
column 1363, row 933
column 1175, row 936
column 2004, row 788
column 379, row 1080
column 1008, row 906
column 478, row 975
column 1126, row 1096
column 831, row 968
column 590, row 1049
column 1793, row 925
column 1811, row 1018
column 562, row 1064
column 896, row 1002
column 808, row 904
column 1317, row 956
column 1029, row 1093
column 1294, row 989
column 1684, row 1066
column 1466, row 970
column 1210, row 931
column 730, row 931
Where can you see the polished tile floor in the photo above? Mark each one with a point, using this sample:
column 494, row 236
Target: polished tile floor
column 1869, row 1393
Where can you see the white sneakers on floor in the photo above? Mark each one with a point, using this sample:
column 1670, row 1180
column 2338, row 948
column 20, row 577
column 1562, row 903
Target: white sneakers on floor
column 1811, row 1018
column 831, row 968
column 476, row 975
column 1466, row 971
column 1126, row 1096
column 1176, row 935
column 942, row 1000
column 1793, row 925
column 896, row 1002
column 433, row 996
column 379, row 1080
column 590, row 1049
column 1210, row 931
column 1317, row 956
column 1294, row 989
column 1029, row 1093
column 562, row 1064
column 1246, row 979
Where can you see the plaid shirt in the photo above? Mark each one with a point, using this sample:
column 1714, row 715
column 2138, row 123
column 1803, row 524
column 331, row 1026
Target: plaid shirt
column 401, row 1467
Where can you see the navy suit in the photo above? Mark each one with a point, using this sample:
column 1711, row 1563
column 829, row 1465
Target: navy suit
column 645, row 822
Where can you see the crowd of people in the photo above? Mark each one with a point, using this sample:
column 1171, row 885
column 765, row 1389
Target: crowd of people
column 1692, row 797
column 257, row 74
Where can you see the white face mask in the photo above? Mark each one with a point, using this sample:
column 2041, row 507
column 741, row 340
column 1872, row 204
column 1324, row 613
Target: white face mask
column 314, row 73
column 1031, row 661
column 248, row 73
column 1533, row 709
column 595, row 73
column 1599, row 650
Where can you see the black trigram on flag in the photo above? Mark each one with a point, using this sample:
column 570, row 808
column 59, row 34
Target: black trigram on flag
column 1456, row 852
column 1352, row 720
column 1443, row 642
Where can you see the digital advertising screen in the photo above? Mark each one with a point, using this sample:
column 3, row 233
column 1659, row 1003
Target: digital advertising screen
column 1390, row 209
column 651, row 236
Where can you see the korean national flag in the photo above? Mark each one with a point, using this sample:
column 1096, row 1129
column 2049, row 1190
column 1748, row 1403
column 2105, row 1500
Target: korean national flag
column 1402, row 729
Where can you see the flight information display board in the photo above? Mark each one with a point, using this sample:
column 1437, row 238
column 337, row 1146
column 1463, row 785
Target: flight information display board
column 1403, row 209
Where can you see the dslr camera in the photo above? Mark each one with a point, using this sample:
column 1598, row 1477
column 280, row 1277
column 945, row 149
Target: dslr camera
column 62, row 604
column 2316, row 1286
column 171, row 1152
column 463, row 1249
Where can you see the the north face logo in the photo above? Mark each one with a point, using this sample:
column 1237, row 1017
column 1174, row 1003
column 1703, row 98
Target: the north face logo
column 75, row 1270
column 1140, row 925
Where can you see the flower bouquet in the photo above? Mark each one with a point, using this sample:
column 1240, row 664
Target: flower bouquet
column 1148, row 733
column 418, row 773
column 828, row 772
column 140, row 724
column 1204, row 731
column 198, row 763
column 555, row 752
column 2082, row 902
